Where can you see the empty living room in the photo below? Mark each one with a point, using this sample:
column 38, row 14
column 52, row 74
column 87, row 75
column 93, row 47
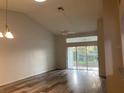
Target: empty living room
column 61, row 46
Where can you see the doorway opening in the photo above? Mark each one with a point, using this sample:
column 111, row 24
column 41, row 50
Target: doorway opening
column 83, row 57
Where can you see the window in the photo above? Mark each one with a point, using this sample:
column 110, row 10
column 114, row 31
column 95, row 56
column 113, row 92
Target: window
column 81, row 39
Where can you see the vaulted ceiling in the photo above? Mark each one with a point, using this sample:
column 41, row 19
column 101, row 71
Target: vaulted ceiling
column 81, row 15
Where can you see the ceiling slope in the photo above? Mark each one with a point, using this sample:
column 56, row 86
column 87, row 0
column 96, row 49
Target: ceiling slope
column 81, row 15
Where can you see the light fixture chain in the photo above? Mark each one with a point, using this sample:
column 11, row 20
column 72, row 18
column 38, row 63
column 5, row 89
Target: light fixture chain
column 6, row 15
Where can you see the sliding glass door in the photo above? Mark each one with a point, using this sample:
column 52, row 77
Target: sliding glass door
column 83, row 57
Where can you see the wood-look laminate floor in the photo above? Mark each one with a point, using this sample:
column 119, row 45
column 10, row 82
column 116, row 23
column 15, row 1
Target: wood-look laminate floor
column 61, row 81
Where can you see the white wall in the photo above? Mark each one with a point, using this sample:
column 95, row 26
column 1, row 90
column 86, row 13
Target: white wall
column 30, row 53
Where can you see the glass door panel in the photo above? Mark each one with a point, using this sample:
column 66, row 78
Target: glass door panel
column 81, row 57
column 72, row 58
column 92, row 57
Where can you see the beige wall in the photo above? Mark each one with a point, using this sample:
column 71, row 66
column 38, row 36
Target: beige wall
column 113, row 47
column 30, row 53
column 60, row 52
column 112, row 36
column 122, row 25
column 122, row 34
column 101, row 50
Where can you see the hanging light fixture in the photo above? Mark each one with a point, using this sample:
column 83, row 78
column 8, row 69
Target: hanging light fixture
column 1, row 34
column 8, row 34
column 66, row 31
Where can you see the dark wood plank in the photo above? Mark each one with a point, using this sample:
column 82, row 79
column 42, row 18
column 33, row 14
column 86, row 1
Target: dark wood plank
column 61, row 81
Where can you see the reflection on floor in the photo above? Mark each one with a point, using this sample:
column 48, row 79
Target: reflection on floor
column 85, row 68
column 61, row 81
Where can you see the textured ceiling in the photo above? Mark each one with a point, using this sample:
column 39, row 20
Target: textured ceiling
column 81, row 15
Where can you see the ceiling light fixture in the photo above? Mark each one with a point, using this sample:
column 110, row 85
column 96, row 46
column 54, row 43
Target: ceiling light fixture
column 61, row 9
column 67, row 31
column 8, row 34
column 40, row 0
